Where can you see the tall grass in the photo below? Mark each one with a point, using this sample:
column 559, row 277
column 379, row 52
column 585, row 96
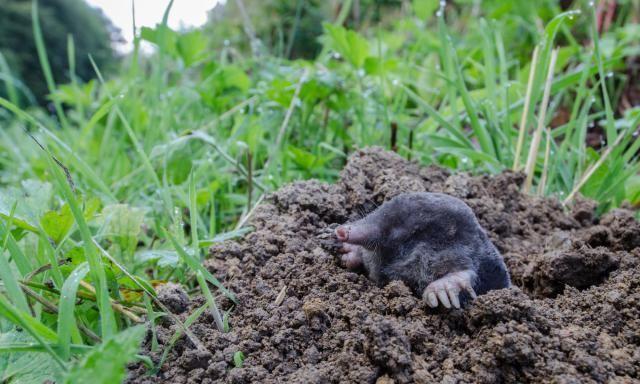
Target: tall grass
column 138, row 174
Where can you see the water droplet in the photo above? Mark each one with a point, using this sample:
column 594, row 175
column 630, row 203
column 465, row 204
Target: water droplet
column 593, row 99
column 336, row 55
column 439, row 13
column 465, row 160
column 591, row 4
column 610, row 74
column 227, row 43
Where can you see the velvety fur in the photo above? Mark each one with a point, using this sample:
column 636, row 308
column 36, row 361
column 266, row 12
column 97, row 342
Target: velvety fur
column 421, row 237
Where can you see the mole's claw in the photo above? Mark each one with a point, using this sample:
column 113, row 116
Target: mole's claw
column 453, row 292
column 471, row 292
column 442, row 295
column 448, row 288
column 432, row 300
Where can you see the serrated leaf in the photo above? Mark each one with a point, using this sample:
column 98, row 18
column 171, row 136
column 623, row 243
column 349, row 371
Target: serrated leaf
column 192, row 47
column 350, row 44
column 106, row 363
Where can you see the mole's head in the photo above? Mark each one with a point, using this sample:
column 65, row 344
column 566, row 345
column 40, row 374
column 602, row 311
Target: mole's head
column 409, row 218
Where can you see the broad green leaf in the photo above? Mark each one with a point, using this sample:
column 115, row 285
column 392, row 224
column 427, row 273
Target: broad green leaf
column 106, row 363
column 377, row 66
column 25, row 367
column 164, row 37
column 351, row 45
column 122, row 223
column 192, row 47
column 57, row 224
column 33, row 197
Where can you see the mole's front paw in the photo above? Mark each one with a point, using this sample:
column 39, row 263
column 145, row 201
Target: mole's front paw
column 352, row 257
column 447, row 289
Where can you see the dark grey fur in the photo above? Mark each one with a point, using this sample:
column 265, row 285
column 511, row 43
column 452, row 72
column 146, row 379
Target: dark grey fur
column 421, row 237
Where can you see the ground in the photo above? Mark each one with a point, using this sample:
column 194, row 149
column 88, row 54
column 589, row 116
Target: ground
column 572, row 316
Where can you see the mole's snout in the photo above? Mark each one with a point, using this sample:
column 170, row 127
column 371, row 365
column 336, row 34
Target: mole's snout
column 342, row 233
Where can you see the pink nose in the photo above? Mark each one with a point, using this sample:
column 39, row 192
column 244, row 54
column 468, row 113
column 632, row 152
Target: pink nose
column 342, row 232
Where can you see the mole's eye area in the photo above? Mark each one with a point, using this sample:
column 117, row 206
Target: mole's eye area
column 396, row 234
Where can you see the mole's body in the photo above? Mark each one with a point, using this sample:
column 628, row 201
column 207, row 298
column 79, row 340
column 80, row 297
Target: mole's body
column 431, row 241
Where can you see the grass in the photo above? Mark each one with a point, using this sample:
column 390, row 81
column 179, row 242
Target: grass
column 137, row 175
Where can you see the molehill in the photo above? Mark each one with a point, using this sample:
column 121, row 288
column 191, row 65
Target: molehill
column 573, row 315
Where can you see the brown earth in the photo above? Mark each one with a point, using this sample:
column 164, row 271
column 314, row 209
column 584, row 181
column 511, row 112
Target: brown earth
column 573, row 315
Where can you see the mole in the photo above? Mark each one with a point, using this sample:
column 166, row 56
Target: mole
column 431, row 241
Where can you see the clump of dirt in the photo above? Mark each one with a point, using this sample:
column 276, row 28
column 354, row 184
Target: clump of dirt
column 573, row 315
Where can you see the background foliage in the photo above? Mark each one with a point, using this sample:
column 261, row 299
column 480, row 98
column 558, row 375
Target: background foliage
column 91, row 31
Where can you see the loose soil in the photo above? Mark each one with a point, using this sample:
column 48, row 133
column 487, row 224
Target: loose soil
column 573, row 315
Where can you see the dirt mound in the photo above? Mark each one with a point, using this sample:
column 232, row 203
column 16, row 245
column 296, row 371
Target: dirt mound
column 573, row 315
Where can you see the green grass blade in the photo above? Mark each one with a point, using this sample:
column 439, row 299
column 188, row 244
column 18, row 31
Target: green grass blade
column 193, row 213
column 195, row 265
column 176, row 336
column 44, row 61
column 462, row 140
column 10, row 282
column 108, row 322
column 610, row 128
column 66, row 318
column 8, row 80
column 479, row 130
column 217, row 317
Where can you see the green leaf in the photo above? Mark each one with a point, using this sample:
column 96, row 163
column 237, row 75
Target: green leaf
column 57, row 224
column 66, row 318
column 351, row 45
column 106, row 363
column 238, row 359
column 196, row 266
column 424, row 9
column 377, row 66
column 33, row 197
column 25, row 367
column 122, row 223
column 192, row 47
column 164, row 37
column 204, row 243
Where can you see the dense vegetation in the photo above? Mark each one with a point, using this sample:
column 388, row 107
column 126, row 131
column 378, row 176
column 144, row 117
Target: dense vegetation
column 90, row 31
column 134, row 176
